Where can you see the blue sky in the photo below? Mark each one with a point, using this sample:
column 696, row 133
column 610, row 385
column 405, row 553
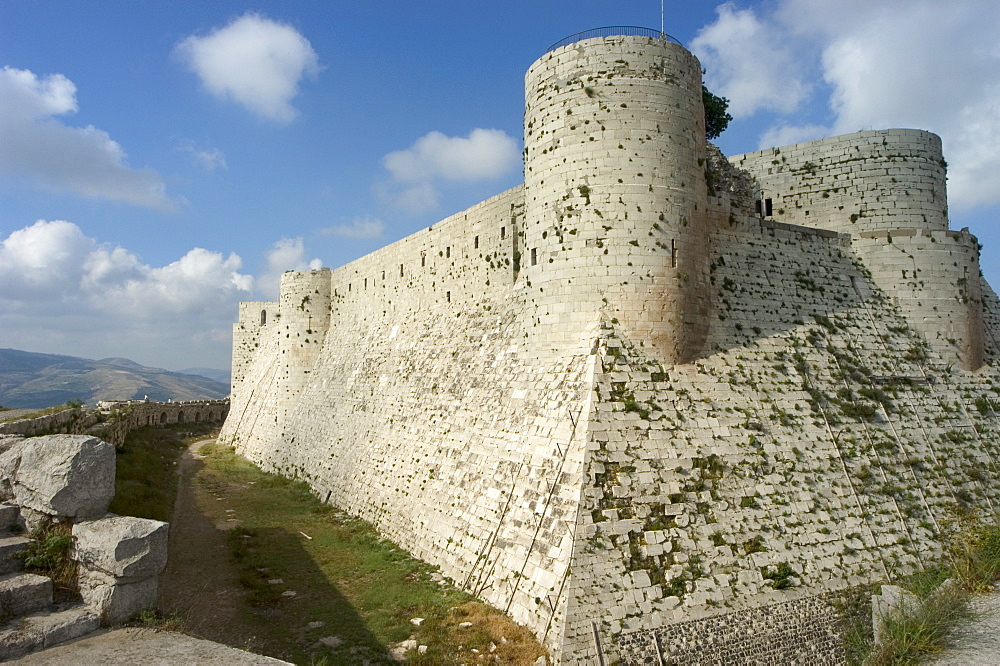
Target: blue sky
column 161, row 161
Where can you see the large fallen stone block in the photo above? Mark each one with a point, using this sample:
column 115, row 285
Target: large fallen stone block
column 116, row 601
column 122, row 546
column 66, row 476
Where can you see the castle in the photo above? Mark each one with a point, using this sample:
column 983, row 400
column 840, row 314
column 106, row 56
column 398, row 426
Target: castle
column 654, row 403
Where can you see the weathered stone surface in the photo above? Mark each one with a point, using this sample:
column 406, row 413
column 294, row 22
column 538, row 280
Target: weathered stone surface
column 42, row 630
column 9, row 515
column 122, row 546
column 67, row 476
column 9, row 548
column 24, row 593
column 116, row 601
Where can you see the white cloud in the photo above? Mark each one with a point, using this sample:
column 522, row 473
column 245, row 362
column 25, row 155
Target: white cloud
column 361, row 228
column 209, row 159
column 83, row 160
column 288, row 254
column 747, row 64
column 783, row 135
column 255, row 61
column 62, row 290
column 485, row 154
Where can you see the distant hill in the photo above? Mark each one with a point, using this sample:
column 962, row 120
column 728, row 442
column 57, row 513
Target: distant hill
column 30, row 380
column 223, row 376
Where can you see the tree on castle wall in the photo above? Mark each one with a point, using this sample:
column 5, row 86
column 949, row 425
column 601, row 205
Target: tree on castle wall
column 717, row 116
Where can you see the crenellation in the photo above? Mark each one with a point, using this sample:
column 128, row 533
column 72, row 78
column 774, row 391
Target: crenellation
column 619, row 402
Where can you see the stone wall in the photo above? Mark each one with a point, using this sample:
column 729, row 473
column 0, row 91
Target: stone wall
column 537, row 396
column 139, row 413
column 874, row 180
column 74, row 420
column 253, row 318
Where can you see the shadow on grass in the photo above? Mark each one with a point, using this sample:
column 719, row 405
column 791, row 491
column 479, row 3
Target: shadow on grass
column 304, row 597
column 219, row 579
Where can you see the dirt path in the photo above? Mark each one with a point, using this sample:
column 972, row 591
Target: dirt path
column 200, row 582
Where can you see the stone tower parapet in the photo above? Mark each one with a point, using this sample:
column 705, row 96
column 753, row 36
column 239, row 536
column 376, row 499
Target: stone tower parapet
column 887, row 188
column 304, row 305
column 253, row 317
column 865, row 181
column 615, row 193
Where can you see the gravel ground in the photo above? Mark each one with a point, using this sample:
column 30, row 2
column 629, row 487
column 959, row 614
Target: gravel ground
column 977, row 643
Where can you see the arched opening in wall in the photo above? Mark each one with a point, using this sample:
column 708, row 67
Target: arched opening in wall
column 197, row 417
column 263, row 317
column 180, row 417
column 163, row 417
column 211, row 416
column 149, row 419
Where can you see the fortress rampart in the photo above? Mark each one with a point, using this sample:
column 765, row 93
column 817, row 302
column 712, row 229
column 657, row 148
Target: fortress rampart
column 621, row 405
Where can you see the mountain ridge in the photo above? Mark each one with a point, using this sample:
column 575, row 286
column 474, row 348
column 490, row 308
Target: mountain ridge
column 33, row 379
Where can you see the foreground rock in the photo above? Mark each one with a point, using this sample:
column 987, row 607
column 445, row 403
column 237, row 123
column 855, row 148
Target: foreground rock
column 63, row 483
column 62, row 476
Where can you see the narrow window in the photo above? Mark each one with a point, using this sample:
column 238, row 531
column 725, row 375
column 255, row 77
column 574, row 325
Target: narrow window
column 348, row 286
column 448, row 294
column 401, row 270
column 447, row 252
column 673, row 253
column 423, row 260
column 503, row 233
column 263, row 317
column 534, row 257
column 476, row 243
column 768, row 210
column 366, row 283
column 383, row 275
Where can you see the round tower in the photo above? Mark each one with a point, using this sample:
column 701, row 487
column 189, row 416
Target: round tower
column 304, row 309
column 615, row 193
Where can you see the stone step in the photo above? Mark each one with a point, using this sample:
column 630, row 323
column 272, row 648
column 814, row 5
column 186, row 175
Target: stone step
column 45, row 629
column 23, row 593
column 10, row 546
column 9, row 515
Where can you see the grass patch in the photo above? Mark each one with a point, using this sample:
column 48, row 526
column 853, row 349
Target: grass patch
column 972, row 563
column 909, row 636
column 361, row 588
column 49, row 555
column 146, row 468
